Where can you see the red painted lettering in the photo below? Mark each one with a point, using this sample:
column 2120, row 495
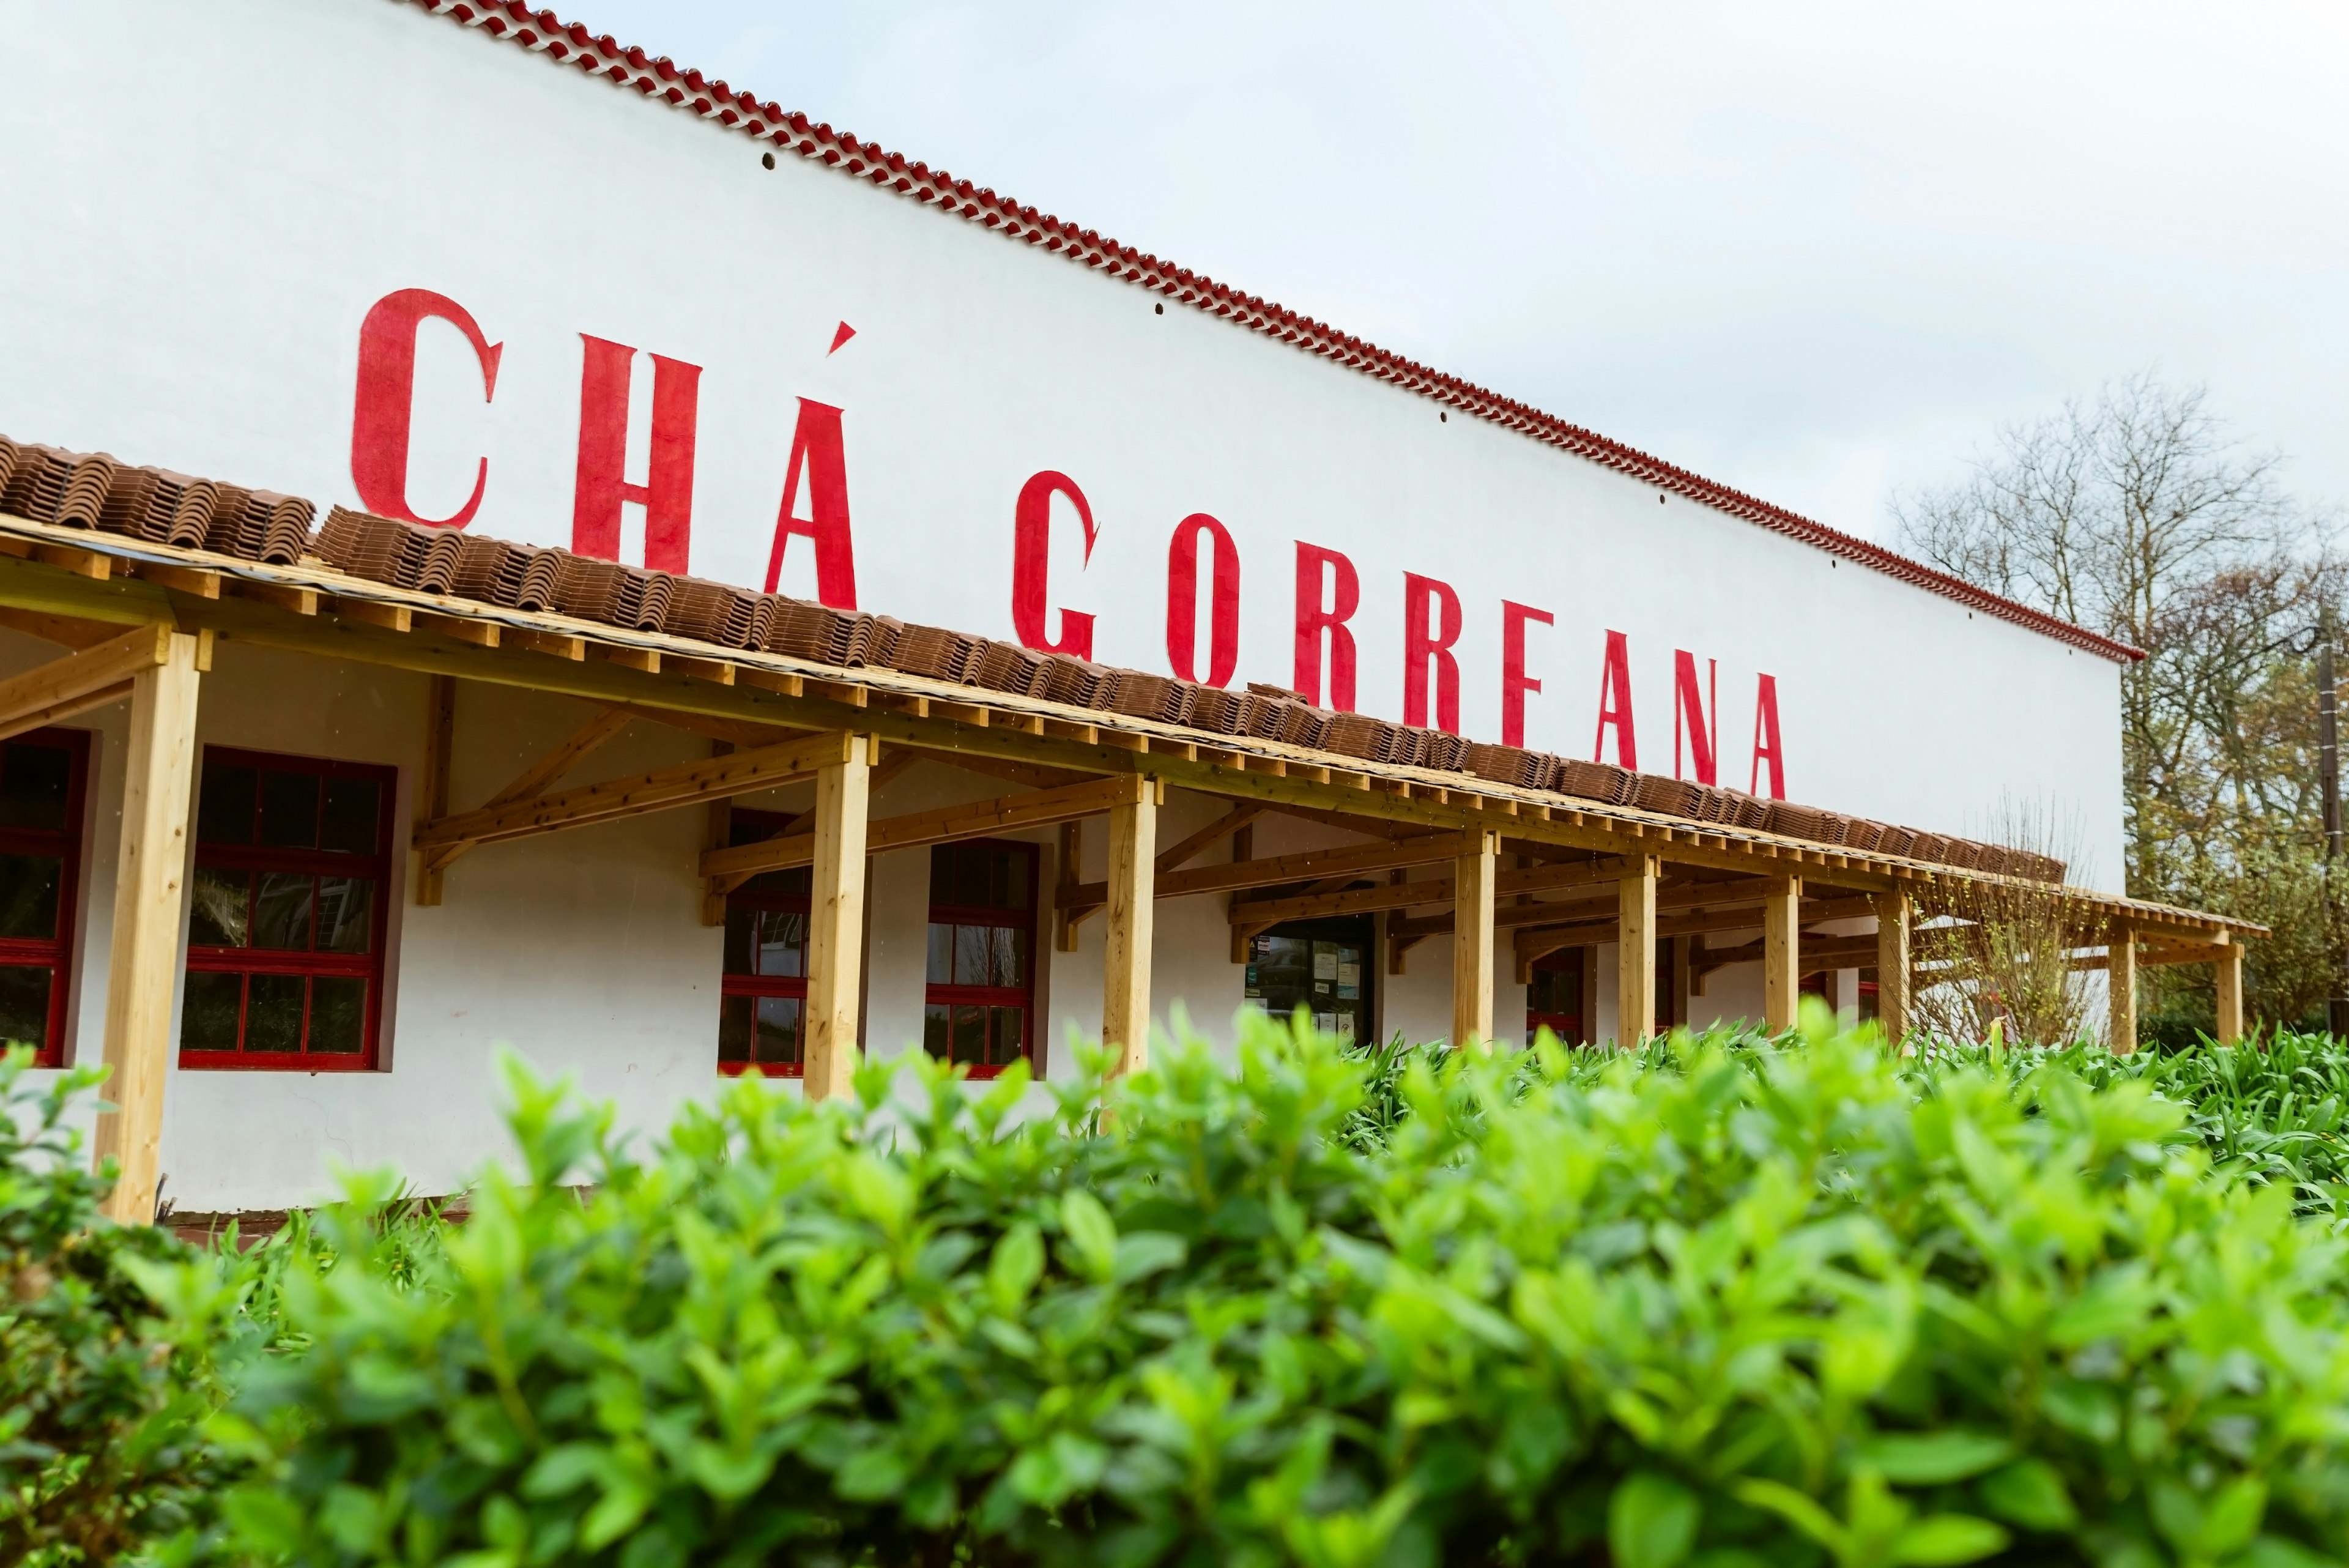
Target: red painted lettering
column 1430, row 624
column 1031, row 556
column 1183, row 602
column 1314, row 617
column 1614, row 705
column 816, row 446
column 1766, row 739
column 1514, row 683
column 1696, row 714
column 667, row 494
column 385, row 405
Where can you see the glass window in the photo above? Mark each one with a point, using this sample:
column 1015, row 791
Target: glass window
column 979, row 1010
column 1323, row 965
column 286, row 912
column 1553, row 997
column 42, row 776
column 762, row 991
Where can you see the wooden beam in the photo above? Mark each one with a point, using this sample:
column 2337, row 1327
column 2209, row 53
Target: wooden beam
column 1428, row 891
column 280, row 596
column 1305, row 865
column 66, row 631
column 734, row 731
column 2230, row 970
column 1070, row 866
column 1027, row 775
column 1635, row 953
column 1216, row 831
column 2121, row 991
column 464, row 628
column 663, row 789
column 529, row 785
column 1782, row 975
column 974, row 819
column 203, row 583
column 432, row 780
column 149, row 885
column 1894, row 918
column 1126, row 937
column 92, row 678
column 368, row 612
column 1474, row 874
column 836, row 919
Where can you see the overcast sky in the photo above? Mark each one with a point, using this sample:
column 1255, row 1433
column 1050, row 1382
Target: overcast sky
column 1818, row 251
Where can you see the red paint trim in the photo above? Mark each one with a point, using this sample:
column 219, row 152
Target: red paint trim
column 67, row 846
column 918, row 181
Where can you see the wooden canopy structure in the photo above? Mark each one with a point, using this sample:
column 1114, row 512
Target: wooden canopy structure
column 1509, row 872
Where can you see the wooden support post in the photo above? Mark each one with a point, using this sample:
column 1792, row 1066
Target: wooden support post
column 1125, row 946
column 1243, row 851
column 1782, row 950
column 1694, row 946
column 1894, row 917
column 2230, row 966
column 1474, row 875
column 717, row 833
column 836, row 921
column 2120, row 981
column 1589, row 995
column 1682, row 979
column 432, row 779
column 1073, row 854
column 1635, row 953
column 148, row 887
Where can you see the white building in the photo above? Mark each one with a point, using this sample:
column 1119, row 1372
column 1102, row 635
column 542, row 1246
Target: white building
column 464, row 266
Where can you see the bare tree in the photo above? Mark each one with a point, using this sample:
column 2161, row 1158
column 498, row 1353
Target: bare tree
column 2139, row 516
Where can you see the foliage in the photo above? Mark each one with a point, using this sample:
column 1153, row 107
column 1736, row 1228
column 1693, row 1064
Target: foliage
column 1719, row 1303
column 2140, row 516
column 101, row 1407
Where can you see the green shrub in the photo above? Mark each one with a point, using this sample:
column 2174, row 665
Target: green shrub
column 1785, row 1303
column 100, row 1406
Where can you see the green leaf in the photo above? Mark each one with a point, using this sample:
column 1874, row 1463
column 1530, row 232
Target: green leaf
column 563, row 1469
column 1941, row 1540
column 1017, row 1265
column 1146, row 1252
column 1796, row 1508
column 2030, row 1493
column 1935, row 1458
column 1093, row 1234
column 1651, row 1520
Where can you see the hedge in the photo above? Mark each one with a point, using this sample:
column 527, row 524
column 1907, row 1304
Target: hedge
column 1725, row 1303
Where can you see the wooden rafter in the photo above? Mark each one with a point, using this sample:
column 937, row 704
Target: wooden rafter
column 663, row 789
column 1351, row 861
column 1216, row 831
column 717, row 887
column 65, row 631
column 975, row 819
column 534, row 780
column 91, row 678
column 1427, row 890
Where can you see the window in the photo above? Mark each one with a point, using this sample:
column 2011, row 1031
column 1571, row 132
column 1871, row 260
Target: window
column 979, row 1009
column 286, row 913
column 1553, row 997
column 763, row 994
column 41, row 781
column 1322, row 966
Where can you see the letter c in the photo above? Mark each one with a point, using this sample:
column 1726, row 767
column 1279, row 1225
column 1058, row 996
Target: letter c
column 387, row 398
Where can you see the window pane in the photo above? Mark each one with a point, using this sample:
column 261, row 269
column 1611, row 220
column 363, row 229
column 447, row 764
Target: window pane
column 281, row 909
column 289, row 810
column 28, row 895
column 738, row 944
column 782, row 942
column 354, row 815
column 345, row 914
column 337, row 1016
column 970, row 1035
column 208, row 1014
column 273, row 1014
column 1015, row 887
column 1004, row 1026
column 33, row 782
column 942, row 866
column 938, row 1023
column 1009, row 948
column 941, row 954
column 25, row 1005
column 225, row 814
column 972, row 949
column 734, row 1028
column 779, row 1030
column 218, row 913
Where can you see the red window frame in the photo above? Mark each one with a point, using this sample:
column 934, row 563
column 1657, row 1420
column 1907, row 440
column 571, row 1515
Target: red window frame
column 773, row 893
column 1567, row 1026
column 988, row 1000
column 307, row 964
column 54, row 953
